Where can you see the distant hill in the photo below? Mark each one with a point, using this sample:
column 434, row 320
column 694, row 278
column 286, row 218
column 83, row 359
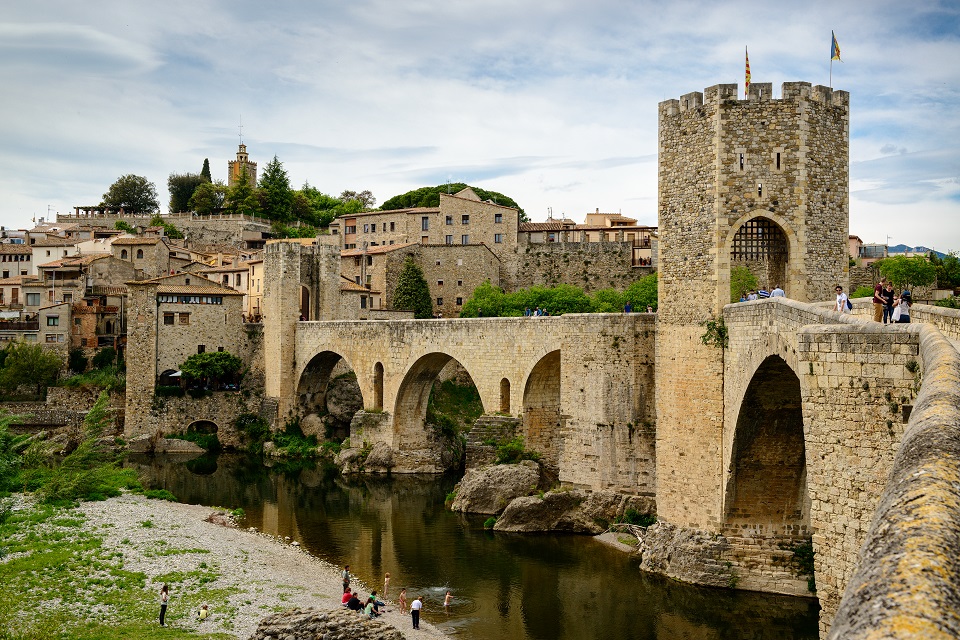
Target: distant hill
column 902, row 248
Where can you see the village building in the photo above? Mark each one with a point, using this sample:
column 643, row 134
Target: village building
column 149, row 256
column 193, row 315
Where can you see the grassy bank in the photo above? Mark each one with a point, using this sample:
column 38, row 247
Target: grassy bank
column 61, row 581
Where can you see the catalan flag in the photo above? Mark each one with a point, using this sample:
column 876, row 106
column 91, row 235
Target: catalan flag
column 746, row 84
column 834, row 48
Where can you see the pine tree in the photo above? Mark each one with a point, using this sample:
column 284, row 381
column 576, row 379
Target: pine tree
column 205, row 172
column 275, row 194
column 412, row 292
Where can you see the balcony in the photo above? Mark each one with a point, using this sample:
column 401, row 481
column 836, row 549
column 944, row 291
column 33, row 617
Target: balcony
column 19, row 325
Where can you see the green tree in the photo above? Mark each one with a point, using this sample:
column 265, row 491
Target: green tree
column 489, row 300
column 906, row 272
column 741, row 281
column 948, row 270
column 211, row 367
column 168, row 228
column 27, row 363
column 608, row 301
column 121, row 225
column 205, row 172
column 276, row 198
column 643, row 293
column 365, row 197
column 208, row 198
column 412, row 292
column 133, row 194
column 181, row 187
column 242, row 198
column 430, row 197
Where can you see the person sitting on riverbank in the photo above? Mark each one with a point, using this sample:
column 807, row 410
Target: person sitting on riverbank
column 371, row 609
column 354, row 603
column 203, row 613
column 347, row 594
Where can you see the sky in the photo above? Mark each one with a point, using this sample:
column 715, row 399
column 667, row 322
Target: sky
column 551, row 103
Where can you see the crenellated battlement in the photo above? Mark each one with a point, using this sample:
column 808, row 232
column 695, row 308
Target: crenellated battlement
column 758, row 92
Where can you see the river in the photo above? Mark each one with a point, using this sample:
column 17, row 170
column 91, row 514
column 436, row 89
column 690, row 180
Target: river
column 521, row 587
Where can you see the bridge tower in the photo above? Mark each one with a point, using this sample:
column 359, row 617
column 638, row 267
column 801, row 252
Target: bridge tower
column 300, row 283
column 760, row 183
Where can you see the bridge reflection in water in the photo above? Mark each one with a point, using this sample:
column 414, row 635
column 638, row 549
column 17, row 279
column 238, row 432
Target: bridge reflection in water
column 505, row 586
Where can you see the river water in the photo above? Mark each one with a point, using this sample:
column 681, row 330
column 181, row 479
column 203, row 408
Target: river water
column 510, row 586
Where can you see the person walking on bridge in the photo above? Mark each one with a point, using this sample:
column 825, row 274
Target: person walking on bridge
column 878, row 302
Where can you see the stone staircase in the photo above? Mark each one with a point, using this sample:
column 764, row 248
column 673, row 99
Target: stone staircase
column 487, row 429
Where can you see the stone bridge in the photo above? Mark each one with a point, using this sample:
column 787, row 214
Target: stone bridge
column 556, row 373
column 814, row 410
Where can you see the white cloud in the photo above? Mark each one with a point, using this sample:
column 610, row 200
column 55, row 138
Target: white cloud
column 554, row 104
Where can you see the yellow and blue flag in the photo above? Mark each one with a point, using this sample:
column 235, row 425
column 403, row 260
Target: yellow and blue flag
column 834, row 48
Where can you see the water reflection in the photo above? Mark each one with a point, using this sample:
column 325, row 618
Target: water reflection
column 504, row 586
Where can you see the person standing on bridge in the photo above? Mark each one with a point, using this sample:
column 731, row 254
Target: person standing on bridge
column 843, row 305
column 778, row 292
column 878, row 302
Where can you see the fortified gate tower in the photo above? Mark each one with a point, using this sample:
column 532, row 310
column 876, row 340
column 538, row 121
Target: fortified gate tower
column 760, row 183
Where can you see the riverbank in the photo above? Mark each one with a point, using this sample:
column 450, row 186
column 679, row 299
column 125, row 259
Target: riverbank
column 108, row 560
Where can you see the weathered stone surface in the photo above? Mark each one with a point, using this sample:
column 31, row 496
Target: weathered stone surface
column 573, row 511
column 313, row 624
column 490, row 489
column 689, row 555
column 175, row 445
column 380, row 458
column 313, row 425
column 349, row 460
column 344, row 398
column 533, row 513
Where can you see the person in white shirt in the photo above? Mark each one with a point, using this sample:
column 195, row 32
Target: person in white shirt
column 415, row 608
column 841, row 306
column 777, row 292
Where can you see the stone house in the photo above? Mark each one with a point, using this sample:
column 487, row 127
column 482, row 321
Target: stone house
column 16, row 260
column 193, row 315
column 151, row 256
column 462, row 218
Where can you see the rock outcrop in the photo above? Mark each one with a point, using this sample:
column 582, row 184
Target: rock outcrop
column 314, row 624
column 686, row 554
column 490, row 489
column 572, row 511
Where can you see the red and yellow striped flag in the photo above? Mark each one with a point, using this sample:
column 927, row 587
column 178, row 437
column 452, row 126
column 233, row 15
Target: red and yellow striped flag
column 746, row 86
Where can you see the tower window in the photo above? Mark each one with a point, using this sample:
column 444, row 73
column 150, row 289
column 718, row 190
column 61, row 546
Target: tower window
column 741, row 162
column 778, row 161
column 759, row 189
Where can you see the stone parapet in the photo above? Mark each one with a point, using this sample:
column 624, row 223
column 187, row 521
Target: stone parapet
column 908, row 570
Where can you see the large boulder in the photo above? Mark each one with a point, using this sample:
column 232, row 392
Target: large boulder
column 344, row 398
column 572, row 511
column 380, row 459
column 313, row 624
column 312, row 424
column 490, row 489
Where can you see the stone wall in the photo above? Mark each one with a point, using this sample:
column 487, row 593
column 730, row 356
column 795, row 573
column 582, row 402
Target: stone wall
column 171, row 415
column 905, row 584
column 588, row 265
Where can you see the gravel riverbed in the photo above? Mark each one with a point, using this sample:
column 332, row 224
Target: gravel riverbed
column 259, row 573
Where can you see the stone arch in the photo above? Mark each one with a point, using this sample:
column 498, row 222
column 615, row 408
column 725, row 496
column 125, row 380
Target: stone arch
column 206, row 427
column 413, row 395
column 504, row 396
column 314, row 380
column 766, row 244
column 304, row 302
column 378, row 386
column 542, row 420
column 766, row 492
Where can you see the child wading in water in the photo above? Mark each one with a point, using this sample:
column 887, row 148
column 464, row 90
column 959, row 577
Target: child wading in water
column 402, row 600
column 386, row 584
column 446, row 601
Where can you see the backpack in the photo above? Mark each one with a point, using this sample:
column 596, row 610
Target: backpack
column 849, row 304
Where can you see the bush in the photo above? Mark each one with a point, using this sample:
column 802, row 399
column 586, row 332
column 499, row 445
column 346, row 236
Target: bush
column 77, row 361
column 88, row 473
column 863, row 292
column 953, row 302
column 160, row 494
column 109, row 378
column 11, row 450
column 104, row 358
column 254, row 429
column 513, row 451
column 632, row 516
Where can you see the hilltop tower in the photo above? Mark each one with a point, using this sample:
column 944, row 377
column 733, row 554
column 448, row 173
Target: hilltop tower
column 242, row 163
column 759, row 182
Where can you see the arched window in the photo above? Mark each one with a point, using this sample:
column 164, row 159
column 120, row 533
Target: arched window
column 139, row 254
column 123, row 254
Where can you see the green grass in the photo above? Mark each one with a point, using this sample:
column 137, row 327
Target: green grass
column 56, row 567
